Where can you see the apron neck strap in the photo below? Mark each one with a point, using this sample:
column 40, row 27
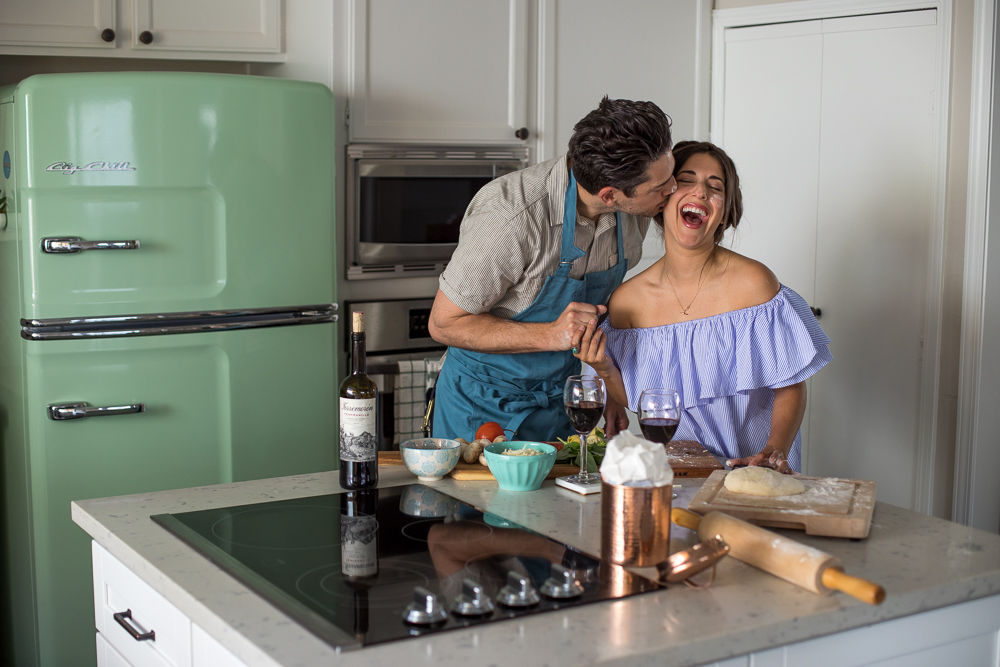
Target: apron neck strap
column 569, row 252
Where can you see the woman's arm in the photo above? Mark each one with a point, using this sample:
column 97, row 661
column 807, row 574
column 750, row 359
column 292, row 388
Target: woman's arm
column 593, row 354
column 786, row 418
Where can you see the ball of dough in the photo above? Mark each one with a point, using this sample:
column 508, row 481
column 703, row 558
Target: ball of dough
column 760, row 481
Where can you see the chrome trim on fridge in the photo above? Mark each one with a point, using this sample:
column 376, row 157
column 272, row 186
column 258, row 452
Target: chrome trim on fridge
column 74, row 244
column 161, row 324
column 70, row 411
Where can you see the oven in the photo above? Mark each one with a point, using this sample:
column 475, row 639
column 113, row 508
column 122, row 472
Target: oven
column 403, row 360
column 405, row 203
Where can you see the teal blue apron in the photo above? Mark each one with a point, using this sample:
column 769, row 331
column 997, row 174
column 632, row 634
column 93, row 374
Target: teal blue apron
column 523, row 392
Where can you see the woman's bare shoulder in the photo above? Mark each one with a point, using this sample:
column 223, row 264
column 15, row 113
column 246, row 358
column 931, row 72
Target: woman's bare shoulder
column 750, row 283
column 627, row 299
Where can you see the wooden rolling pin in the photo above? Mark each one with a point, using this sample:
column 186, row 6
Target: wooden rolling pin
column 797, row 563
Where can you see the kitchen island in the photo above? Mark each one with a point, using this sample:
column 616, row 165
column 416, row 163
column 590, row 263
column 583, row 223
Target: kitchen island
column 942, row 580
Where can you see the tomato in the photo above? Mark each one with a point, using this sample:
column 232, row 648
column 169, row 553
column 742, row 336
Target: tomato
column 490, row 430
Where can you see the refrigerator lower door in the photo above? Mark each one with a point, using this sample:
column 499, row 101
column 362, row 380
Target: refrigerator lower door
column 218, row 407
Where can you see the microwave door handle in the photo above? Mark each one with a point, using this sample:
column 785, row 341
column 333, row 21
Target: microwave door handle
column 73, row 244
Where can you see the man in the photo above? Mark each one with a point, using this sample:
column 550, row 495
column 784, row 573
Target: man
column 539, row 253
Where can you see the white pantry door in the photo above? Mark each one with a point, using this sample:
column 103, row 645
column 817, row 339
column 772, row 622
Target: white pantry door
column 831, row 124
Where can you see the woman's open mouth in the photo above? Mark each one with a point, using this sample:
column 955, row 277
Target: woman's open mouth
column 694, row 215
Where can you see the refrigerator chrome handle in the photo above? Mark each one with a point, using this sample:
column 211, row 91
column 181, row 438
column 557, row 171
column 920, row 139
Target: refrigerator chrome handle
column 66, row 411
column 72, row 244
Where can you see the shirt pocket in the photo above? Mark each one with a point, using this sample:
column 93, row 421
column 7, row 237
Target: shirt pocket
column 633, row 254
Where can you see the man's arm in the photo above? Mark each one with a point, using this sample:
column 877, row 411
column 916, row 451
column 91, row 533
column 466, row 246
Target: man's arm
column 483, row 332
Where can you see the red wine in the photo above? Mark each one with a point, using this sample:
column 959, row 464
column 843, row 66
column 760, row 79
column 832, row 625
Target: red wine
column 658, row 429
column 358, row 423
column 584, row 415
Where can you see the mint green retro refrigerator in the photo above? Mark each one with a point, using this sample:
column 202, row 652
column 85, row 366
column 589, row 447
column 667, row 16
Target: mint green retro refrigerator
column 167, row 311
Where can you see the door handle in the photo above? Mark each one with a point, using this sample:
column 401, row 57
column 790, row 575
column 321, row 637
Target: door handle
column 129, row 628
column 70, row 244
column 66, row 411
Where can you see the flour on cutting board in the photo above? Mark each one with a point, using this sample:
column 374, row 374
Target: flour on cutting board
column 823, row 495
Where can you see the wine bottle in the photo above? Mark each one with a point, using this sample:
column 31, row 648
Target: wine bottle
column 358, row 424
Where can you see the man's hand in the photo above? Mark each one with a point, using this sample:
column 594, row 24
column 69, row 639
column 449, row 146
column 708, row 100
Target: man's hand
column 567, row 331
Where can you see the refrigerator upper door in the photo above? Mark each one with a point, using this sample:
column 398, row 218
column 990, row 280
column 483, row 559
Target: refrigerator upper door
column 162, row 192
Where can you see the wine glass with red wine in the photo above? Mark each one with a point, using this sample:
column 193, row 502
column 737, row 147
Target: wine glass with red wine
column 659, row 414
column 583, row 398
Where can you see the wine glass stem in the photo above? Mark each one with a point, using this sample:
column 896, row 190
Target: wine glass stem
column 583, row 454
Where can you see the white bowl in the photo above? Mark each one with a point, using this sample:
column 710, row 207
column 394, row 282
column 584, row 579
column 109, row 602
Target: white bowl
column 430, row 459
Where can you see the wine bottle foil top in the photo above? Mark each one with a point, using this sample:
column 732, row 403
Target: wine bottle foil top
column 358, row 322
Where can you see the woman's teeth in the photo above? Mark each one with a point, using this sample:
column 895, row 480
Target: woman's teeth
column 693, row 215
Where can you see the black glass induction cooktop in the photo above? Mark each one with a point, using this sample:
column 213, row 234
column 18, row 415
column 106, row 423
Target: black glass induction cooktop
column 364, row 567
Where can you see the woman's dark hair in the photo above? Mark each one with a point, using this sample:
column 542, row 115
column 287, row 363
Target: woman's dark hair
column 614, row 144
column 733, row 209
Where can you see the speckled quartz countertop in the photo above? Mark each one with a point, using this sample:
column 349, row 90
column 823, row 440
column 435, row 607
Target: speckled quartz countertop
column 923, row 563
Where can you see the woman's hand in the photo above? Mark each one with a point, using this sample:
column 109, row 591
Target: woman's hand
column 769, row 457
column 591, row 350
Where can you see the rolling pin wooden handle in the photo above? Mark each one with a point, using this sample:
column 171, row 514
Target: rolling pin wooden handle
column 685, row 518
column 861, row 589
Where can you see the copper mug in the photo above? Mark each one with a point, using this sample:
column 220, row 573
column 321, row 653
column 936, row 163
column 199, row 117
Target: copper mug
column 635, row 524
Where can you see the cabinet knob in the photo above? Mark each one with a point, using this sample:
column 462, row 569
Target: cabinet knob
column 108, row 35
column 522, row 133
column 817, row 312
column 146, row 37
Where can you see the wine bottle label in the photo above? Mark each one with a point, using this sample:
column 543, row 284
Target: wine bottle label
column 358, row 547
column 357, row 429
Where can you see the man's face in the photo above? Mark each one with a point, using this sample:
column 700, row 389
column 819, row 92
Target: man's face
column 651, row 195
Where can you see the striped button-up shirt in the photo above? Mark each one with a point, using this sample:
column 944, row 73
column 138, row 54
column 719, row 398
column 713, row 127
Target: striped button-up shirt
column 511, row 236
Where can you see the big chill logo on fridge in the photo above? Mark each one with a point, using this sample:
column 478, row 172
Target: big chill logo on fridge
column 68, row 168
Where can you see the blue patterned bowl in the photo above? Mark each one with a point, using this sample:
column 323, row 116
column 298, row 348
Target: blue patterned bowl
column 430, row 459
column 520, row 473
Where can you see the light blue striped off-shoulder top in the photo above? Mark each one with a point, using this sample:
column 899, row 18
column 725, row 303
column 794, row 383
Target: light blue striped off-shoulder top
column 725, row 368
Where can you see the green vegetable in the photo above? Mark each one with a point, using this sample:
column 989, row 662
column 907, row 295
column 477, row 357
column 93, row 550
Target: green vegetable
column 596, row 445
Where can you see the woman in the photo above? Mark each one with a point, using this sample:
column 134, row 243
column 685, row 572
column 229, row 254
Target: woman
column 714, row 325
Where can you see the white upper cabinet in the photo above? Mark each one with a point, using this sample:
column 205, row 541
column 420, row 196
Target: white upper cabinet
column 242, row 30
column 88, row 24
column 197, row 25
column 447, row 71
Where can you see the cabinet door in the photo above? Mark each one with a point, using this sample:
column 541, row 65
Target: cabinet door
column 449, row 71
column 76, row 23
column 253, row 26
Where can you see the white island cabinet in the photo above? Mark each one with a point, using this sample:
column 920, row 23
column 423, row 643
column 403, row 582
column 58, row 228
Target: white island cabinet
column 942, row 607
column 138, row 627
column 244, row 30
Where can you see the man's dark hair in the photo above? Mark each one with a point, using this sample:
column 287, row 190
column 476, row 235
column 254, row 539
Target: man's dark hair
column 614, row 144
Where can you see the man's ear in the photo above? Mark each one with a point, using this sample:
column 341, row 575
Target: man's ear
column 607, row 196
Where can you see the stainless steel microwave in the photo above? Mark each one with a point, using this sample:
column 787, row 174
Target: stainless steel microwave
column 405, row 204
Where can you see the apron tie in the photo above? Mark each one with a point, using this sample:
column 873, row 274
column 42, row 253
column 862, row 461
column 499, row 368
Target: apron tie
column 524, row 404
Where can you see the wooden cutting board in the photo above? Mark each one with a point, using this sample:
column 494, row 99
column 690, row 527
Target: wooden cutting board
column 830, row 506
column 687, row 458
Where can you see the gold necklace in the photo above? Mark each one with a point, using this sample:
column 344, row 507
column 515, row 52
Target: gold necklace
column 701, row 278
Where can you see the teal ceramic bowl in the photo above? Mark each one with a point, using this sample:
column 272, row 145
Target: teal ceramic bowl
column 520, row 473
column 430, row 459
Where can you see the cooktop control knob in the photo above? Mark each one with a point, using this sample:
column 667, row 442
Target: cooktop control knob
column 561, row 584
column 425, row 608
column 518, row 592
column 473, row 601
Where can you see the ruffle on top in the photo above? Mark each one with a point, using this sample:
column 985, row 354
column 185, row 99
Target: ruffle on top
column 774, row 344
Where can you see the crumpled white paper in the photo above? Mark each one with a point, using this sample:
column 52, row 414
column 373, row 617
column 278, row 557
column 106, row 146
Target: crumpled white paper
column 633, row 461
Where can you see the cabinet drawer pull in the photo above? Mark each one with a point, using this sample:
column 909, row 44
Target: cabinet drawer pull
column 129, row 628
column 69, row 244
column 65, row 411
